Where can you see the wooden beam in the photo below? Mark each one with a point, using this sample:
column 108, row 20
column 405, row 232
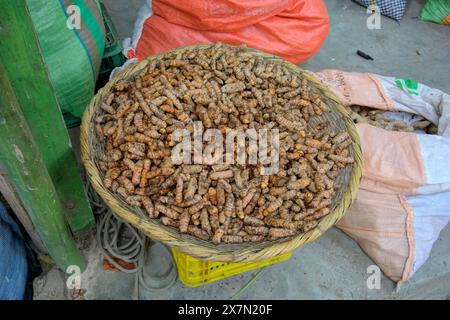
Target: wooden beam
column 11, row 196
column 21, row 55
column 23, row 161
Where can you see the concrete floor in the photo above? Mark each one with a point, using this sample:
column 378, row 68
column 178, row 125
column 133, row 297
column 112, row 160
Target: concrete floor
column 333, row 267
column 412, row 49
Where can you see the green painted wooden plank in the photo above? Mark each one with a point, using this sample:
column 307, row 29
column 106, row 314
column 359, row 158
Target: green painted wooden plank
column 20, row 53
column 26, row 168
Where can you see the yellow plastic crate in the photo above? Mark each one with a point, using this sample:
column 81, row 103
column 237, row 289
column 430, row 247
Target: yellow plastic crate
column 194, row 272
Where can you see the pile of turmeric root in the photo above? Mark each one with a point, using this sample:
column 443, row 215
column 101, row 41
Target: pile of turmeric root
column 224, row 87
column 378, row 119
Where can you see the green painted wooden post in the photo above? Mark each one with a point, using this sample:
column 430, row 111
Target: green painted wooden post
column 26, row 168
column 20, row 53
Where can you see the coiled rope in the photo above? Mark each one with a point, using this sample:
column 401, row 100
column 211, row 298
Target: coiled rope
column 118, row 239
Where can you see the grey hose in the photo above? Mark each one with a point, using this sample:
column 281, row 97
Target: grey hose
column 117, row 238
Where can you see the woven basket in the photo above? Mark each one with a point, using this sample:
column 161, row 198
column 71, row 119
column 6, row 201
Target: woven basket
column 337, row 119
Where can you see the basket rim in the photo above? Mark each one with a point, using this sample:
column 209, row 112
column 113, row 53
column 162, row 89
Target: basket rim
column 201, row 249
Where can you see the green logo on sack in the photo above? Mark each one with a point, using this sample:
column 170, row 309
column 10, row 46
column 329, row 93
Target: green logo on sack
column 407, row 85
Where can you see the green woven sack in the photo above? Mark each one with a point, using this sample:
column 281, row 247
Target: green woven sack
column 73, row 56
column 437, row 11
